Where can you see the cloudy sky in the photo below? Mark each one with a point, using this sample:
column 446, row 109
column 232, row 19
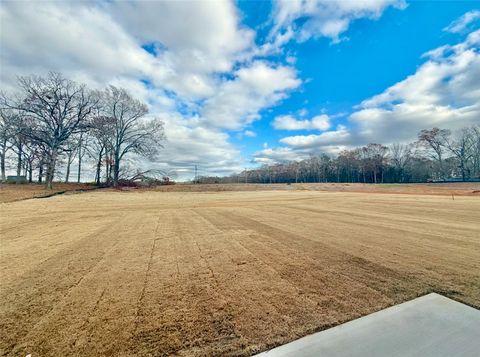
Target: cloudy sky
column 240, row 84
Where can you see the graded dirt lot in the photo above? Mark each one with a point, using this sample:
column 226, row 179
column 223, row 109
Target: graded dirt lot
column 145, row 273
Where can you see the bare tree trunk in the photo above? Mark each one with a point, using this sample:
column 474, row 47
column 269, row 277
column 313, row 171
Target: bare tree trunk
column 116, row 169
column 107, row 171
column 19, row 164
column 51, row 168
column 40, row 172
column 2, row 163
column 30, row 172
column 109, row 167
column 99, row 167
column 463, row 169
column 80, row 159
column 79, row 175
column 69, row 162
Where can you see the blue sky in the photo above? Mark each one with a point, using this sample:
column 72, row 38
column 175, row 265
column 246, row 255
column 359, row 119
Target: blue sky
column 376, row 55
column 247, row 83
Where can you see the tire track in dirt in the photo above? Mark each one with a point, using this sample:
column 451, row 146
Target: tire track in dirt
column 97, row 314
column 391, row 223
column 47, row 242
column 188, row 311
column 95, row 308
column 225, row 225
column 277, row 253
column 147, row 275
column 52, row 280
column 279, row 311
column 324, row 257
column 149, row 327
column 405, row 269
column 402, row 253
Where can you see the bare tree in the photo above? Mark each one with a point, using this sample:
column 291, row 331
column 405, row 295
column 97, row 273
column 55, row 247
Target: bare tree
column 462, row 147
column 102, row 131
column 71, row 150
column 18, row 129
column 475, row 130
column 132, row 132
column 81, row 152
column 435, row 140
column 7, row 121
column 374, row 159
column 400, row 155
column 57, row 108
column 33, row 155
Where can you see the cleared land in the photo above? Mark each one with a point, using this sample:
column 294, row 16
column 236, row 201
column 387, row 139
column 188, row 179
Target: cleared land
column 221, row 274
column 460, row 188
column 12, row 192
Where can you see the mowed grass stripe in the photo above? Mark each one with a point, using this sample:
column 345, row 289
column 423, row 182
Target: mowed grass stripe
column 221, row 274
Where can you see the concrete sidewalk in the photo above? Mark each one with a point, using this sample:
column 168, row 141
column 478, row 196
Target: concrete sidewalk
column 429, row 326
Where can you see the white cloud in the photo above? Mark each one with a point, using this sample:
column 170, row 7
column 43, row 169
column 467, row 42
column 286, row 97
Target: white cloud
column 208, row 39
column 443, row 92
column 238, row 102
column 269, row 156
column 250, row 133
column 338, row 136
column 199, row 61
column 462, row 23
column 189, row 145
column 287, row 122
column 325, row 18
column 53, row 36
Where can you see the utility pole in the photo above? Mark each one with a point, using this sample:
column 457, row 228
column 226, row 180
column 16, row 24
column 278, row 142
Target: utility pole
column 246, row 177
column 196, row 170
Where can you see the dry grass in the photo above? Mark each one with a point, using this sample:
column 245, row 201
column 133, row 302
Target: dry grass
column 13, row 192
column 457, row 189
column 221, row 274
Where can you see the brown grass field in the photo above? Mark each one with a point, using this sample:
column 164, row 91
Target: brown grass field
column 148, row 273
column 13, row 192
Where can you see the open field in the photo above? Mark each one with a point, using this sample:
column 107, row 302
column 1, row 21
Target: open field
column 460, row 188
column 150, row 273
column 12, row 192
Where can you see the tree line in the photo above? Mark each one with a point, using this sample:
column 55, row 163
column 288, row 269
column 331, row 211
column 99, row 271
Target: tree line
column 54, row 121
column 437, row 155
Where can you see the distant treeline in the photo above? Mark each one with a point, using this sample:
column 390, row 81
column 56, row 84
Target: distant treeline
column 437, row 155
